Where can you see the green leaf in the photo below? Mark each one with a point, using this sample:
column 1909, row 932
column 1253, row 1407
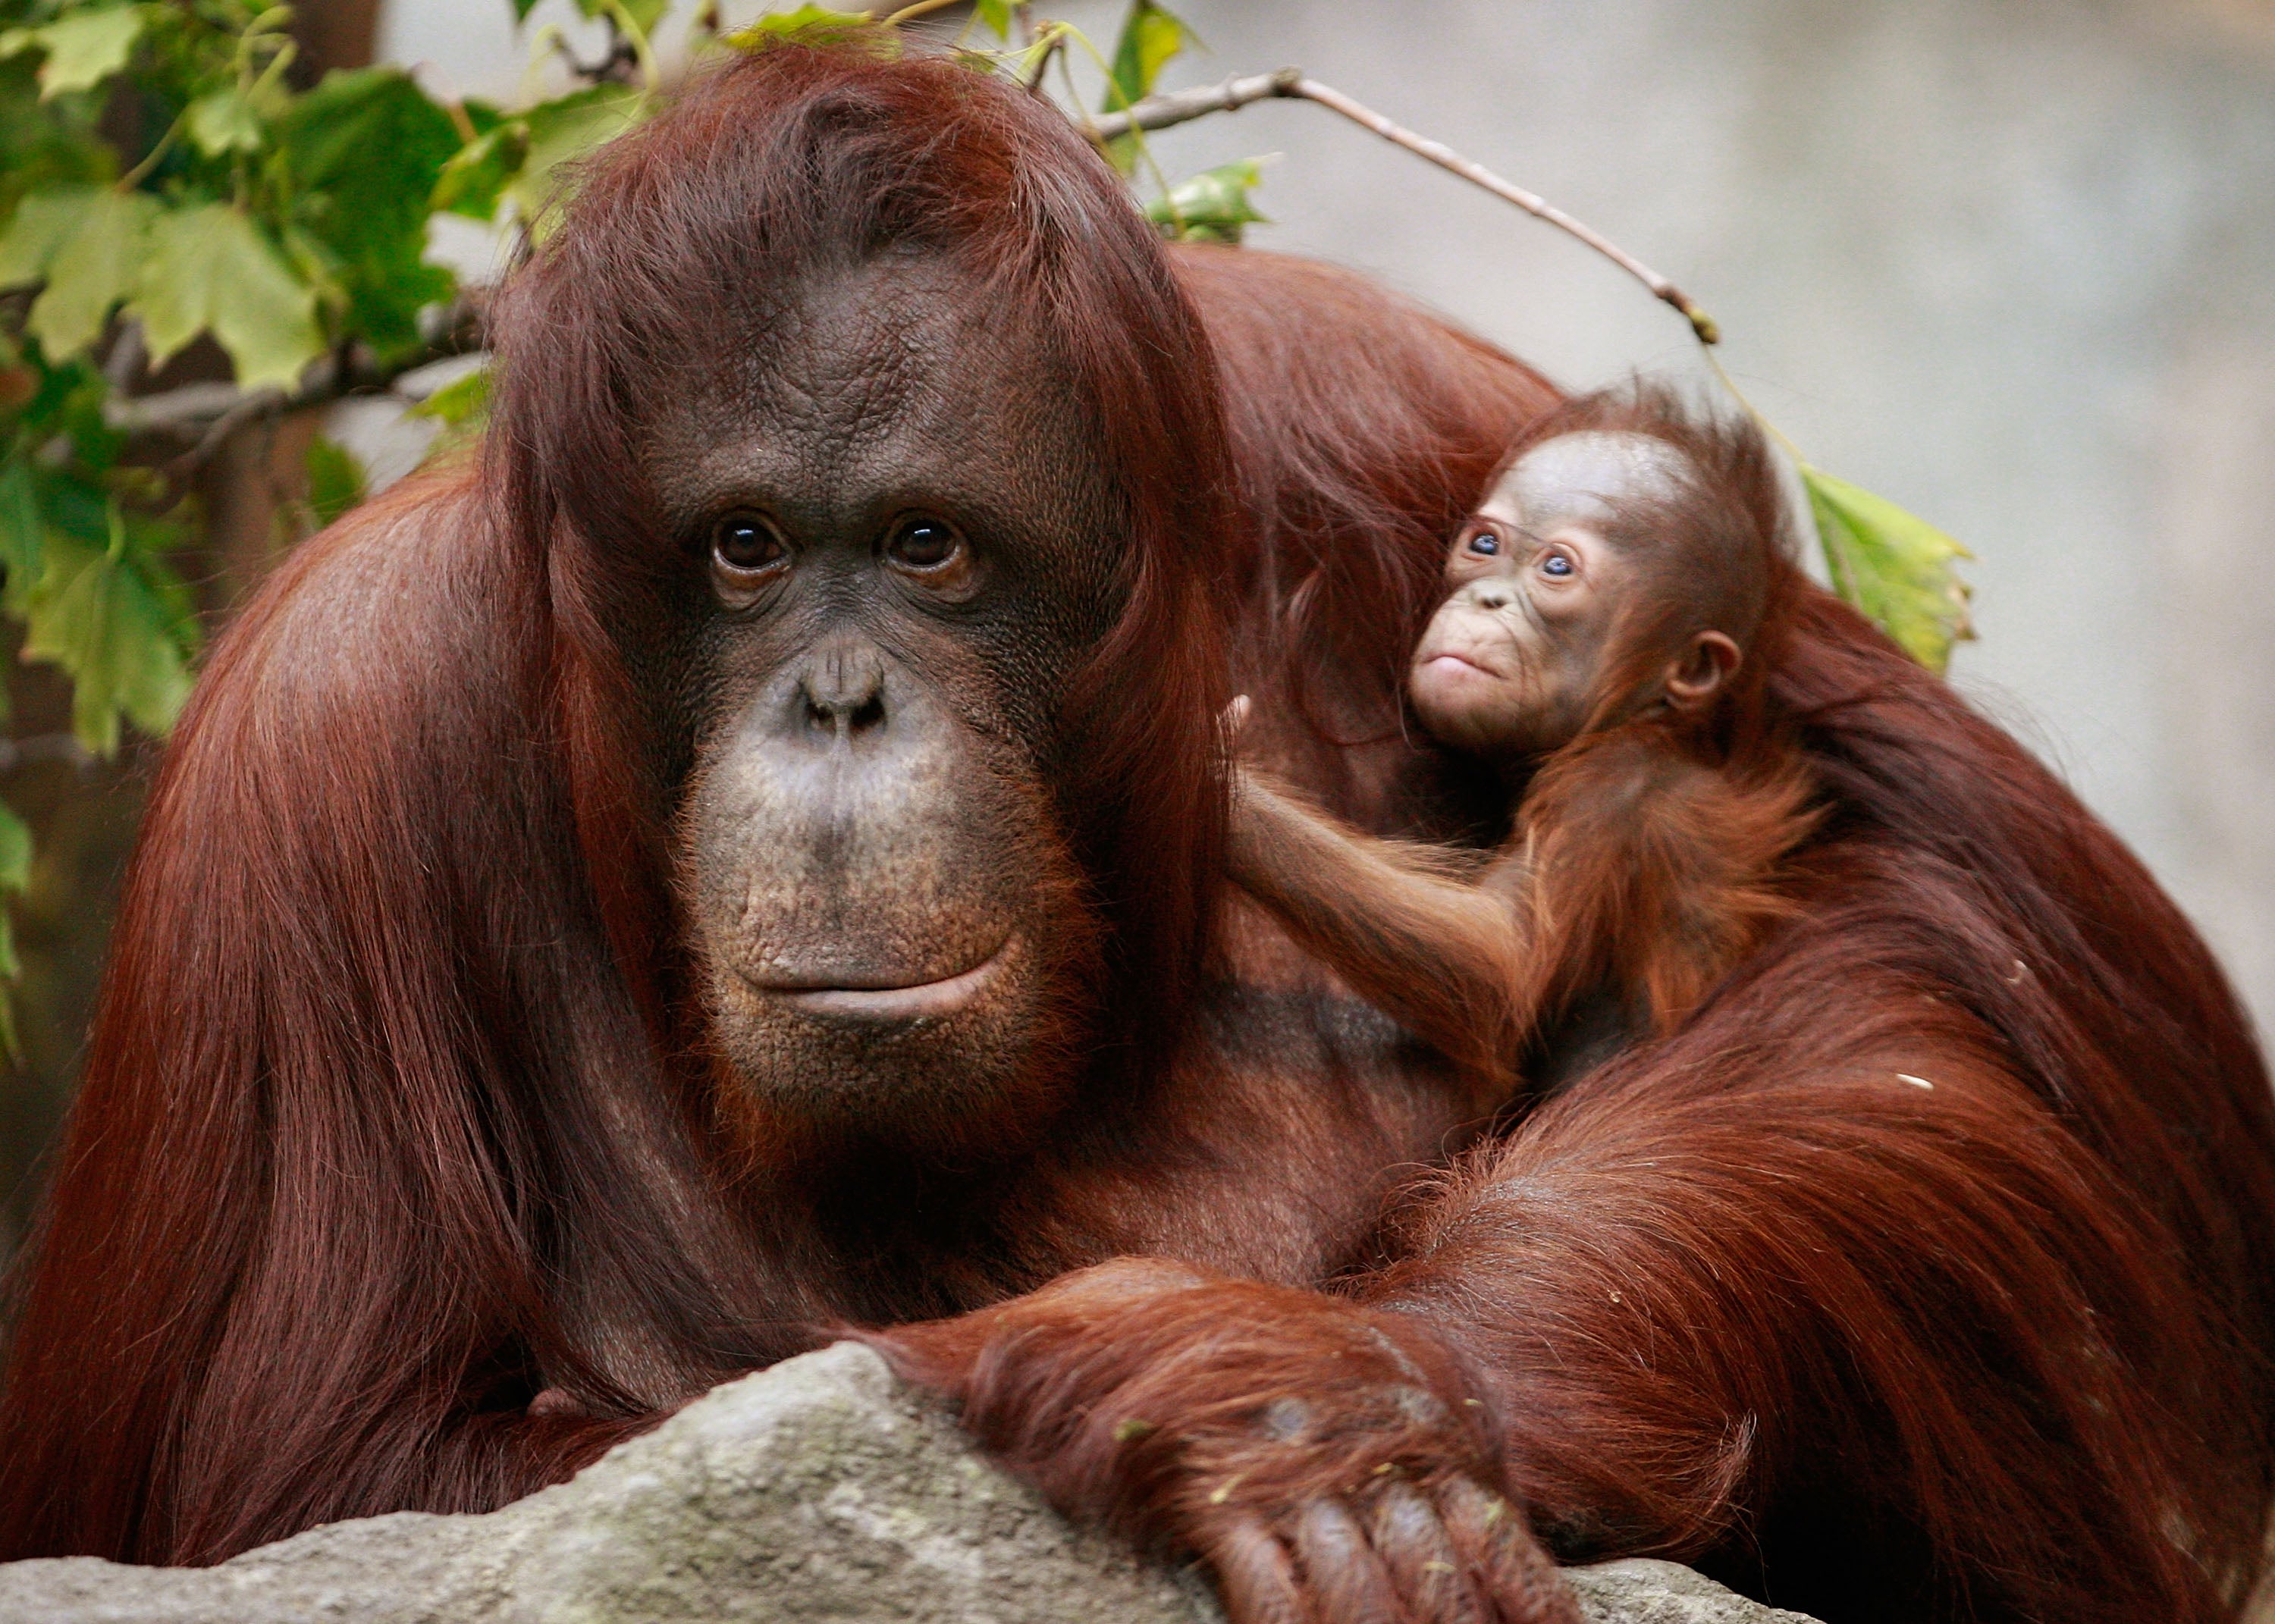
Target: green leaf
column 645, row 13
column 995, row 14
column 106, row 615
column 476, row 177
column 15, row 857
column 38, row 149
column 522, row 9
column 458, row 402
column 21, row 527
column 335, row 480
column 1150, row 37
column 1210, row 207
column 42, row 221
column 567, row 128
column 224, row 122
column 1896, row 568
column 809, row 24
column 87, row 242
column 209, row 268
column 368, row 149
column 86, row 48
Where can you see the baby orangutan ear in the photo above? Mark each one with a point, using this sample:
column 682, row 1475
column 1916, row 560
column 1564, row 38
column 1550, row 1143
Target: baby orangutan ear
column 1693, row 681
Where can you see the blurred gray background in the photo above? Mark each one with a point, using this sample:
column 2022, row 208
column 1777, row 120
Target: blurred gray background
column 2011, row 265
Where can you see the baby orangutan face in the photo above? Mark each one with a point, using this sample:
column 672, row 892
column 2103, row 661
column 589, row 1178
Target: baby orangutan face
column 1515, row 662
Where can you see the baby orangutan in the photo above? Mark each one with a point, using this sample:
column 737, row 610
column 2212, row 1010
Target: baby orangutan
column 1598, row 644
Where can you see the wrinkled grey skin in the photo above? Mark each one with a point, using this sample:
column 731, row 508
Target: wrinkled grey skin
column 869, row 853
column 1511, row 664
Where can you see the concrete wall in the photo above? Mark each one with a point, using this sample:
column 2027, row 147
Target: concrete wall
column 2011, row 264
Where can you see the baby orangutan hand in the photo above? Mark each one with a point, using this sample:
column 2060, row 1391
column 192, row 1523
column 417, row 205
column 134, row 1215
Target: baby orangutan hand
column 1329, row 1462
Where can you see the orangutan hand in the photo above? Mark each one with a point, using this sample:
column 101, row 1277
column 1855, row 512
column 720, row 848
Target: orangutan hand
column 1333, row 1465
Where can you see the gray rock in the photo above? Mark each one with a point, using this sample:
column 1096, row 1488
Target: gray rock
column 1641, row 1591
column 821, row 1490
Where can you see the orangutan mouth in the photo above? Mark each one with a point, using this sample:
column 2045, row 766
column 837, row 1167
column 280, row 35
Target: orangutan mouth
column 913, row 1002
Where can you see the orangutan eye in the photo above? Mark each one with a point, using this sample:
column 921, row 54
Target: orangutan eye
column 923, row 544
column 1556, row 566
column 1483, row 543
column 745, row 544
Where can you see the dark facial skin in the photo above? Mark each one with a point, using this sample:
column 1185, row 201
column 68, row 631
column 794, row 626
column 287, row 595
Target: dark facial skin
column 1513, row 665
column 897, row 546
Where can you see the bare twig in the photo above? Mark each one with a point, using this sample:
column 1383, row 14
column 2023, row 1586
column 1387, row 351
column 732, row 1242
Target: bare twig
column 15, row 753
column 1182, row 106
column 127, row 357
column 1054, row 45
column 201, row 417
column 1160, row 112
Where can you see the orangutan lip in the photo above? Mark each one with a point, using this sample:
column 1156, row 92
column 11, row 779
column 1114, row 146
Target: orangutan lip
column 896, row 1003
column 1450, row 658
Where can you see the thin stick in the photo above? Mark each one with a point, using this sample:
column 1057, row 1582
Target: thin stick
column 909, row 13
column 1160, row 112
column 1182, row 106
column 1052, row 42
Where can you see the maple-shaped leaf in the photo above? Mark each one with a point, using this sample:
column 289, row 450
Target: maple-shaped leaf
column 111, row 618
column 210, row 269
column 224, row 122
column 87, row 244
column 568, row 127
column 83, row 49
column 1896, row 567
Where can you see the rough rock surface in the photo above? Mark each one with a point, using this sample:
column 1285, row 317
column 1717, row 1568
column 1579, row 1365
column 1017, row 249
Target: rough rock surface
column 820, row 1490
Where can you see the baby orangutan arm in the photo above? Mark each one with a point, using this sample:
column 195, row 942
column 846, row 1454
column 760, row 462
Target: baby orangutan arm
column 1435, row 951
column 1635, row 866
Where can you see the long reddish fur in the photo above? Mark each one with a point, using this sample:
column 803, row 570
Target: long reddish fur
column 374, row 1064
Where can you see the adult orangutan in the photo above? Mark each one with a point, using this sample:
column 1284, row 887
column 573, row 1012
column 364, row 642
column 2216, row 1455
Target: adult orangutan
column 744, row 859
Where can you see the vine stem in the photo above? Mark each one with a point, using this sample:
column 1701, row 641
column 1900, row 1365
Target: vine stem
column 908, row 12
column 1752, row 411
column 1160, row 112
column 134, row 177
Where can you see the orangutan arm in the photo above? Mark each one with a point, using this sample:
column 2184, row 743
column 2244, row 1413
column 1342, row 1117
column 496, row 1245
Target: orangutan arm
column 1436, row 952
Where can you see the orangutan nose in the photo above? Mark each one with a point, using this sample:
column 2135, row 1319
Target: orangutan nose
column 1489, row 595
column 842, row 689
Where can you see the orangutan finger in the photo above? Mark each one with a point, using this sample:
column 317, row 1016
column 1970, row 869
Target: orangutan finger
column 1508, row 1562
column 1347, row 1580
column 1256, row 1575
column 1428, row 1573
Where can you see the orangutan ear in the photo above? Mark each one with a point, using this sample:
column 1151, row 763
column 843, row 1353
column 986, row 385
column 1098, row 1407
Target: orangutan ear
column 1693, row 681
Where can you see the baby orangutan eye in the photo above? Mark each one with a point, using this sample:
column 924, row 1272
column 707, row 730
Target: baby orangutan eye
column 1557, row 566
column 1483, row 543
